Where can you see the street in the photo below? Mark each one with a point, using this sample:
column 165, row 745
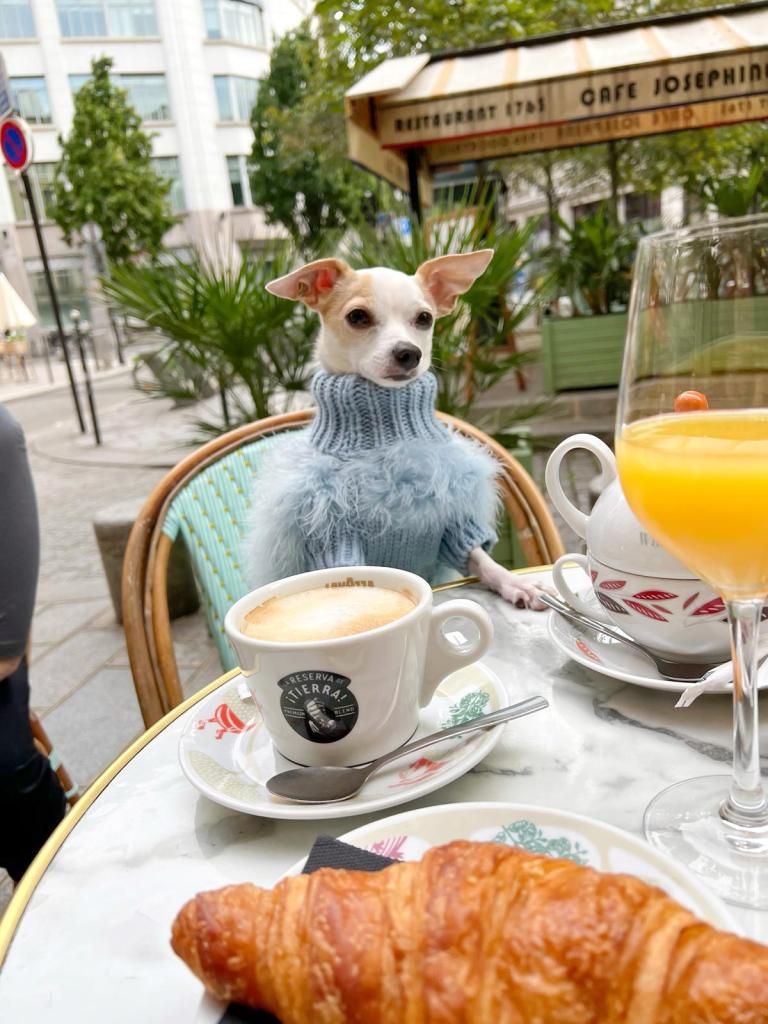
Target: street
column 42, row 412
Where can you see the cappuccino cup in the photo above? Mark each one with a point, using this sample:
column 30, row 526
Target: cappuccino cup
column 340, row 661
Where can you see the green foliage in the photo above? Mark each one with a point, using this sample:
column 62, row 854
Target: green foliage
column 300, row 173
column 550, row 173
column 105, row 176
column 359, row 34
column 222, row 327
column 591, row 262
column 736, row 196
column 714, row 165
column 472, row 348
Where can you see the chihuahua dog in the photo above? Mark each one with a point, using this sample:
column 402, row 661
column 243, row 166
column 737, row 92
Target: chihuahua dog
column 378, row 479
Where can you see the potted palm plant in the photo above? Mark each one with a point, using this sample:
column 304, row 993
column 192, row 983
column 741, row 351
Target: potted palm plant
column 590, row 263
column 221, row 331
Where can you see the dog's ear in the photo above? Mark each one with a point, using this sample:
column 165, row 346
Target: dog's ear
column 311, row 283
column 446, row 277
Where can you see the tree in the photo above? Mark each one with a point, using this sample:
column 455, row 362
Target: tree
column 714, row 166
column 300, row 173
column 359, row 34
column 555, row 171
column 105, row 176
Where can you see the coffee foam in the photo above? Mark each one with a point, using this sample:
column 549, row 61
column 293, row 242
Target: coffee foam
column 325, row 613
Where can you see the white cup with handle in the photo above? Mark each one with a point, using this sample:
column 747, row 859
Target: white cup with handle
column 348, row 699
column 631, row 580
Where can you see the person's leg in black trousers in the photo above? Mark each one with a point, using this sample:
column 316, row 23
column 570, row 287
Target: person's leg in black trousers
column 32, row 801
column 31, row 798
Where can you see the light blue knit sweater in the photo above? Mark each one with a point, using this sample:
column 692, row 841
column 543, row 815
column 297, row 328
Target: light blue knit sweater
column 376, row 480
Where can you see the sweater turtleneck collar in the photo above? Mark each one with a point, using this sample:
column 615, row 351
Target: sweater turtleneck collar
column 354, row 414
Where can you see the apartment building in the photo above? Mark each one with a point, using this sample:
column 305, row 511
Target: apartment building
column 191, row 69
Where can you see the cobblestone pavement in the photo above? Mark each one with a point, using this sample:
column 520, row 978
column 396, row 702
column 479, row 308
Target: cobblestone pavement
column 80, row 680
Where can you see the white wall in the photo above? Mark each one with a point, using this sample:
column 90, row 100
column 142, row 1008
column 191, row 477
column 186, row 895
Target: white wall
column 195, row 135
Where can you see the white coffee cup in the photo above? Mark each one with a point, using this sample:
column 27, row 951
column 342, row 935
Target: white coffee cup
column 350, row 699
column 677, row 617
column 640, row 586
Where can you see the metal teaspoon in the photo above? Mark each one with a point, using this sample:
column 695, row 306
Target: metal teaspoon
column 329, row 785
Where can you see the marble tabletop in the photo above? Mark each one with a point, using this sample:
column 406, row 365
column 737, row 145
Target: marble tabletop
column 92, row 944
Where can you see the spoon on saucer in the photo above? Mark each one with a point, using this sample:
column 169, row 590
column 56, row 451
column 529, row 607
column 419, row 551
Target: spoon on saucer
column 326, row 785
column 676, row 671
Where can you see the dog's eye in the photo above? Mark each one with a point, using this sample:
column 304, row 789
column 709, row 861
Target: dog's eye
column 359, row 318
column 424, row 319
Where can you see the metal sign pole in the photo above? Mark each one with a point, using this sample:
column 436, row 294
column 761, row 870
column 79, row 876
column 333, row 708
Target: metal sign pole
column 75, row 317
column 412, row 158
column 54, row 298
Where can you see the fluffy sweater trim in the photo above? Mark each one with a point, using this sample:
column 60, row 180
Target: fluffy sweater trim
column 376, row 480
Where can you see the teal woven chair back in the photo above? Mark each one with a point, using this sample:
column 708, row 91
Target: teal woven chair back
column 210, row 514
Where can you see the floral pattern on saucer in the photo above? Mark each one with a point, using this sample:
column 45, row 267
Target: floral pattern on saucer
column 555, row 833
column 609, row 657
column 522, row 833
column 225, row 751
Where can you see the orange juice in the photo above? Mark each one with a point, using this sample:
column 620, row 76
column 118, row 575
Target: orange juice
column 699, row 483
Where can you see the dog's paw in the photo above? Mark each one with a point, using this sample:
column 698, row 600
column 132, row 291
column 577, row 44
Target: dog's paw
column 513, row 588
column 521, row 593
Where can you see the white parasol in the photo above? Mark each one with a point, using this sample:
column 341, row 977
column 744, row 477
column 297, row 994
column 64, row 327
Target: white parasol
column 13, row 311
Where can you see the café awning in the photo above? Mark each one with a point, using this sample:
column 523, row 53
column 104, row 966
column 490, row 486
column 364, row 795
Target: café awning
column 412, row 114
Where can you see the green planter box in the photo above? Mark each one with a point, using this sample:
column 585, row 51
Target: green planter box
column 508, row 551
column 583, row 351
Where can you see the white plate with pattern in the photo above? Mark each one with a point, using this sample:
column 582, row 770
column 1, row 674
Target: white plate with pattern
column 225, row 751
column 546, row 830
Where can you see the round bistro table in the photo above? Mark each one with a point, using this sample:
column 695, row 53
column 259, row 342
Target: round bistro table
column 86, row 935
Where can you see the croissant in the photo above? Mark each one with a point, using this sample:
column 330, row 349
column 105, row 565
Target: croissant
column 474, row 933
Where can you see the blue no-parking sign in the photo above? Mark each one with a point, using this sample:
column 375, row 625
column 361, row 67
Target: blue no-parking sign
column 16, row 143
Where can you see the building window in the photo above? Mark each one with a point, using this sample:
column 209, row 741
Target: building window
column 107, row 17
column 238, row 181
column 30, row 97
column 582, row 210
column 41, row 178
column 235, row 96
column 168, row 167
column 16, row 20
column 71, row 289
column 239, row 21
column 147, row 94
column 643, row 206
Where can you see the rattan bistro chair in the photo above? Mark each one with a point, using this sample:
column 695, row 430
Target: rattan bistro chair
column 45, row 747
column 204, row 499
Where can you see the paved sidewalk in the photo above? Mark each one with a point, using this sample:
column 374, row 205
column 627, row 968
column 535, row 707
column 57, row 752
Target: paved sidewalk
column 80, row 680
column 13, row 386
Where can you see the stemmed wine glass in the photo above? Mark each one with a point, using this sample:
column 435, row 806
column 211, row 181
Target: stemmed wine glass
column 692, row 451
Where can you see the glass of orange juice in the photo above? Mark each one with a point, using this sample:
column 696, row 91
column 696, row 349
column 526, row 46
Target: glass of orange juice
column 692, row 451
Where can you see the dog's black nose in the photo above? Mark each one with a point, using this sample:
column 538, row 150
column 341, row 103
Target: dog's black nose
column 406, row 356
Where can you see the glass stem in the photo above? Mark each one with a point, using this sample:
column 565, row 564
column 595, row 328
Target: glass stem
column 746, row 804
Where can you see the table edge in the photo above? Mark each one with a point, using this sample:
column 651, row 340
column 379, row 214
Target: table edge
column 29, row 881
